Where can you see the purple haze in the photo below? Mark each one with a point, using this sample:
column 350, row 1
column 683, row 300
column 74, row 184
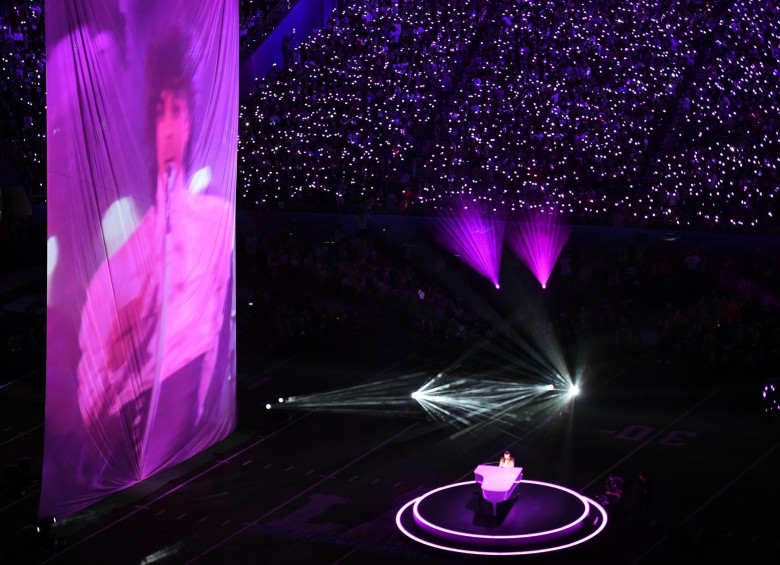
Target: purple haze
column 538, row 241
column 477, row 237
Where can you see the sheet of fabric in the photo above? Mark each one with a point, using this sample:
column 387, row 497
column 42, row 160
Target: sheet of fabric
column 142, row 116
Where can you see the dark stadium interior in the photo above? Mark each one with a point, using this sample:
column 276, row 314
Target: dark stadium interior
column 649, row 129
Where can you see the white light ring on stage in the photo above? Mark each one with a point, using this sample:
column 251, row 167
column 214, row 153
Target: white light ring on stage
column 413, row 537
column 420, row 520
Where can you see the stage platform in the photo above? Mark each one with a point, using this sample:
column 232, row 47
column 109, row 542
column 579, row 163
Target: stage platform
column 539, row 517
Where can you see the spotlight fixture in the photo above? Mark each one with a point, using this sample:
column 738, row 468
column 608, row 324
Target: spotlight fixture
column 574, row 390
column 538, row 241
column 476, row 236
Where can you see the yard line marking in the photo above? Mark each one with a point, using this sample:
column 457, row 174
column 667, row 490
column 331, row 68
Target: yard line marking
column 255, row 381
column 171, row 491
column 300, row 494
column 551, row 419
column 21, row 434
column 658, row 434
column 731, row 482
column 18, row 500
column 9, row 383
column 725, row 487
column 204, row 472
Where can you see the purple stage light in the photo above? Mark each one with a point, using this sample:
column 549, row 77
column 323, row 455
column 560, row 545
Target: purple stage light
column 445, row 536
column 426, row 524
column 538, row 241
column 477, row 237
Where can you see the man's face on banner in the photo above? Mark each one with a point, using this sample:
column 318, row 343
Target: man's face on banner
column 173, row 127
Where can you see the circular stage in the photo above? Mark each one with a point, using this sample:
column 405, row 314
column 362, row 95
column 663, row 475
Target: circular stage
column 539, row 517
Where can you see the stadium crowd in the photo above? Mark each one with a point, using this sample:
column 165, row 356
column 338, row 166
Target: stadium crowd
column 255, row 23
column 253, row 15
column 23, row 91
column 650, row 113
column 722, row 165
column 561, row 106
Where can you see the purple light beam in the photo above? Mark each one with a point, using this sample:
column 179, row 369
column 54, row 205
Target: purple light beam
column 538, row 242
column 476, row 237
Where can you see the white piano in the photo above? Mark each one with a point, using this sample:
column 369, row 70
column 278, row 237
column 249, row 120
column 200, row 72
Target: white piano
column 498, row 483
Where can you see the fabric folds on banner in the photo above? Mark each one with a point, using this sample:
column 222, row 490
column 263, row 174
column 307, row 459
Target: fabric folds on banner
column 142, row 116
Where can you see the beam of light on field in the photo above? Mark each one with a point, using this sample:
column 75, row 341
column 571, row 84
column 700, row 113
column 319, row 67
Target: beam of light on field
column 476, row 236
column 527, row 351
column 538, row 242
column 469, row 402
column 385, row 397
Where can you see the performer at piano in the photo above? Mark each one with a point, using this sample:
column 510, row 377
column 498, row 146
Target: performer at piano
column 506, row 460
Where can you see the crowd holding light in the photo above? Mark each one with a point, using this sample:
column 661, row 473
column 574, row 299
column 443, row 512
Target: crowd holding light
column 723, row 164
column 643, row 113
column 561, row 103
column 253, row 16
column 411, row 106
column 256, row 23
column 23, row 87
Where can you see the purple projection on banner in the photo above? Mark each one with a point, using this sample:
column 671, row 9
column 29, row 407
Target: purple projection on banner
column 142, row 115
column 474, row 234
column 538, row 241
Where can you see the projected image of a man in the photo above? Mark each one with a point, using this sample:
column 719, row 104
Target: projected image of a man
column 158, row 303
column 173, row 131
column 169, row 106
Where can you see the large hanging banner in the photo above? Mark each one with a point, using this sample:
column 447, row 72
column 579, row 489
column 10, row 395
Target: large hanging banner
column 142, row 116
